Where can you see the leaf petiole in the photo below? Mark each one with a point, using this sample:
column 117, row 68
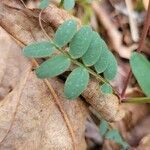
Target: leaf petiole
column 138, row 100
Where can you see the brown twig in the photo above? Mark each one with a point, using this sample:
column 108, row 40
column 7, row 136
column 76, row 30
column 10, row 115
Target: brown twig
column 23, row 3
column 139, row 49
column 40, row 23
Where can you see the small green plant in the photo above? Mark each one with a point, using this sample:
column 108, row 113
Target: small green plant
column 86, row 49
column 112, row 134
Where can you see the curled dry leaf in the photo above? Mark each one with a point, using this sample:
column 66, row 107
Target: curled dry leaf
column 26, row 22
column 106, row 104
column 29, row 117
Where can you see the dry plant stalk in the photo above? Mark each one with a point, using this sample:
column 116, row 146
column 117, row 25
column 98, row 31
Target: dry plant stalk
column 23, row 25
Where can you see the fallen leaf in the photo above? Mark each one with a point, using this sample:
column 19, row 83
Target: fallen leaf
column 29, row 116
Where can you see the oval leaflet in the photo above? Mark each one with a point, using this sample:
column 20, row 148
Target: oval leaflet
column 102, row 63
column 141, row 69
column 80, row 42
column 106, row 88
column 111, row 69
column 76, row 83
column 104, row 126
column 69, row 4
column 115, row 135
column 39, row 49
column 65, row 33
column 94, row 51
column 44, row 4
column 53, row 66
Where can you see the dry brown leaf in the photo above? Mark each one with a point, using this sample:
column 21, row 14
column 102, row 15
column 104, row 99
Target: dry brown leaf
column 29, row 117
column 106, row 104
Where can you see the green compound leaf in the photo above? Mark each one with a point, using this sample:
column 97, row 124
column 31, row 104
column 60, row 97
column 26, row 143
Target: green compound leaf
column 94, row 51
column 102, row 63
column 106, row 89
column 103, row 127
column 141, row 70
column 39, row 49
column 76, row 83
column 65, row 33
column 80, row 42
column 115, row 135
column 53, row 66
column 44, row 4
column 69, row 4
column 112, row 67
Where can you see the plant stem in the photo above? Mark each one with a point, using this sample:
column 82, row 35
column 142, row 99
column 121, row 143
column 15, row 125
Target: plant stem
column 139, row 49
column 138, row 100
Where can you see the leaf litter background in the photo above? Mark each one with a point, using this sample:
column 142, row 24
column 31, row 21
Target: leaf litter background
column 29, row 117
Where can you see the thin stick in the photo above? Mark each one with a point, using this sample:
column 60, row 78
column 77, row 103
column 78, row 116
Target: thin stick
column 140, row 47
column 23, row 3
column 132, row 21
column 41, row 26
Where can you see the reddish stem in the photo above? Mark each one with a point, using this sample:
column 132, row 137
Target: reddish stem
column 139, row 49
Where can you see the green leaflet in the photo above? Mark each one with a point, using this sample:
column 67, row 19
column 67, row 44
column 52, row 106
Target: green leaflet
column 111, row 69
column 106, row 89
column 53, row 66
column 65, row 33
column 94, row 51
column 76, row 83
column 103, row 127
column 39, row 49
column 102, row 63
column 141, row 70
column 114, row 135
column 44, row 4
column 80, row 42
column 69, row 4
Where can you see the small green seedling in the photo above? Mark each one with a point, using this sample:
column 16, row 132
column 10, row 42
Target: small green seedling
column 86, row 49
